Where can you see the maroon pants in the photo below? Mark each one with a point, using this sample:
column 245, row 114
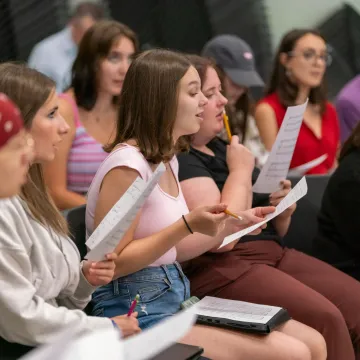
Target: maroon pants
column 313, row 292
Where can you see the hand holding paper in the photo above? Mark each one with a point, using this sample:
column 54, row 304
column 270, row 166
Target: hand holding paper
column 277, row 196
column 252, row 217
column 100, row 272
column 292, row 197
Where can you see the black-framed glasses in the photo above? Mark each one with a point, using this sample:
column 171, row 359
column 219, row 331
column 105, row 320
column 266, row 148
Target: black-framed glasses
column 311, row 55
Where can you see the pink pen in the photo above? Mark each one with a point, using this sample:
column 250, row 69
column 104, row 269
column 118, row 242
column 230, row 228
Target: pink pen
column 133, row 305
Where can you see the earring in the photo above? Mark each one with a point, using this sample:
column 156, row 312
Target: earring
column 288, row 72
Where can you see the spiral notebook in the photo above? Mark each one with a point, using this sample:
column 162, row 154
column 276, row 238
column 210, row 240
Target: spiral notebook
column 239, row 315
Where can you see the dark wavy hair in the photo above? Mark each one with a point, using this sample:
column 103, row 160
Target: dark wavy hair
column 95, row 46
column 280, row 82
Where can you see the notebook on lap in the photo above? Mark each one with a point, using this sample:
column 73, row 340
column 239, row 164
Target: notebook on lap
column 239, row 315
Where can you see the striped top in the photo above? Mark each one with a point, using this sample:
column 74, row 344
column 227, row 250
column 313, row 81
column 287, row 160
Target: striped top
column 85, row 156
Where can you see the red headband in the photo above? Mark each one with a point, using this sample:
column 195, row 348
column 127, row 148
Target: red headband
column 11, row 121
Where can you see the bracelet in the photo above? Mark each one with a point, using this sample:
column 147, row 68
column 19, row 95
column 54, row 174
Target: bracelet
column 187, row 225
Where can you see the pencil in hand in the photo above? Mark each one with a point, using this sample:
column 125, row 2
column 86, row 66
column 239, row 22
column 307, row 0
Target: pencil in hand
column 226, row 211
column 227, row 126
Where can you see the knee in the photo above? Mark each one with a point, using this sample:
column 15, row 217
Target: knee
column 298, row 351
column 317, row 346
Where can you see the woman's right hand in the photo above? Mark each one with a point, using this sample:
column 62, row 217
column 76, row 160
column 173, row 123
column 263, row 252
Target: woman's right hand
column 207, row 220
column 238, row 157
column 129, row 325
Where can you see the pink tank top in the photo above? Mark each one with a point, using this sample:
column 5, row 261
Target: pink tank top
column 85, row 156
column 160, row 209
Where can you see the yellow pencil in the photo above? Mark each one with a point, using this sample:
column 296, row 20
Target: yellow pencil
column 233, row 215
column 227, row 126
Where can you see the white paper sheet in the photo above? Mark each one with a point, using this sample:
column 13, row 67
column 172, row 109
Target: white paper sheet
column 277, row 165
column 54, row 348
column 151, row 342
column 234, row 310
column 293, row 196
column 110, row 231
column 304, row 168
column 73, row 344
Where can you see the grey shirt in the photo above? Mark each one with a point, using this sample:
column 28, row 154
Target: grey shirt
column 42, row 287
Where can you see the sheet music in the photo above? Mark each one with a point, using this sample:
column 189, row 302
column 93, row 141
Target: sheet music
column 110, row 231
column 234, row 310
column 277, row 165
column 152, row 341
column 304, row 168
column 293, row 196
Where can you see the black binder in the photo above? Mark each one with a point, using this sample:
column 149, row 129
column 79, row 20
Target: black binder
column 180, row 352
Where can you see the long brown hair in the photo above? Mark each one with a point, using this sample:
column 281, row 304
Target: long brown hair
column 148, row 104
column 352, row 143
column 280, row 82
column 94, row 47
column 30, row 90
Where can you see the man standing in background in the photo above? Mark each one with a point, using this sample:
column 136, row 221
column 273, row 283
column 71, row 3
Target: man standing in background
column 55, row 55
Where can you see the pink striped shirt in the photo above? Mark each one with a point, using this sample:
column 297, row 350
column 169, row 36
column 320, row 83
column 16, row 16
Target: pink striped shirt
column 85, row 156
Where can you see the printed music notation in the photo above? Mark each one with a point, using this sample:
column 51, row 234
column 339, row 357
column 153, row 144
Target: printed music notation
column 277, row 165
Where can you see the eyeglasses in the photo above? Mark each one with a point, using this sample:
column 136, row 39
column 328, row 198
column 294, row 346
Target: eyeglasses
column 311, row 56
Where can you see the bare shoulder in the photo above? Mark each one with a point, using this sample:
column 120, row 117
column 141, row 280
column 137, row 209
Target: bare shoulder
column 263, row 110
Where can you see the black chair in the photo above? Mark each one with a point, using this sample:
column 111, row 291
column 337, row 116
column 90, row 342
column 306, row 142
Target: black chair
column 76, row 221
column 304, row 226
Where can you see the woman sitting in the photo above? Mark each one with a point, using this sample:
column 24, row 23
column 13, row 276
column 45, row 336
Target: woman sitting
column 258, row 268
column 164, row 232
column 44, row 287
column 235, row 65
column 298, row 74
column 90, row 109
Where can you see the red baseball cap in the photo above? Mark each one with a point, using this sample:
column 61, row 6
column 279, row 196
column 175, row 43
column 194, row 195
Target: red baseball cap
column 11, row 121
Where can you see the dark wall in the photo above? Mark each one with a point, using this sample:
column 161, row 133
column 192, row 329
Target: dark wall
column 183, row 25
column 25, row 22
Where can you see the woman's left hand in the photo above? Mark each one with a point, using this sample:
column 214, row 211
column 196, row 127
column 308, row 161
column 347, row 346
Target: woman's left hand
column 277, row 196
column 100, row 272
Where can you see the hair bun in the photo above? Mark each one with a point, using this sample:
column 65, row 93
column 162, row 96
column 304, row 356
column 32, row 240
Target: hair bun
column 11, row 121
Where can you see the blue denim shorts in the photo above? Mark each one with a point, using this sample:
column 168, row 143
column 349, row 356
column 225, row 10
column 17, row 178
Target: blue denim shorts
column 161, row 289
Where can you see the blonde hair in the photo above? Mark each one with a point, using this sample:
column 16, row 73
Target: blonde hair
column 30, row 90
